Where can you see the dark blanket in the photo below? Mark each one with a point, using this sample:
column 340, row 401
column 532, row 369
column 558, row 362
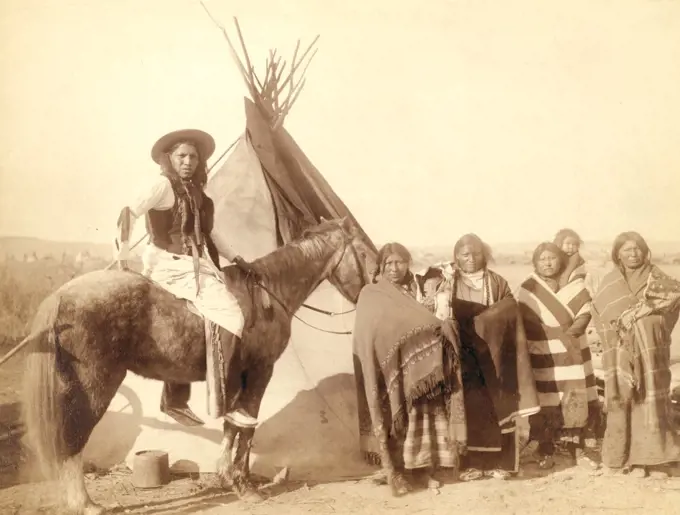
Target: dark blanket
column 401, row 359
column 497, row 375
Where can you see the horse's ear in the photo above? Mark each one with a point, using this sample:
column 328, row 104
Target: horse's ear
column 349, row 227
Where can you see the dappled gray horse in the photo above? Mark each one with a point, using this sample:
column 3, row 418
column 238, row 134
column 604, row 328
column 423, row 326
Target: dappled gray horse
column 92, row 330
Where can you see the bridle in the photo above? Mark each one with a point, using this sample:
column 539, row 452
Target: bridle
column 347, row 244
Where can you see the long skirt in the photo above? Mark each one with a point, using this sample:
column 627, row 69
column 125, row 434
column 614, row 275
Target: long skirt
column 641, row 432
column 490, row 445
column 427, row 443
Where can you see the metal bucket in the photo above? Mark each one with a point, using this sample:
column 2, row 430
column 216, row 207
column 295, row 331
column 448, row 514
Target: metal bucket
column 150, row 469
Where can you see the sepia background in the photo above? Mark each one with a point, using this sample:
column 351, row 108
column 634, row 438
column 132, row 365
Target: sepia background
column 510, row 119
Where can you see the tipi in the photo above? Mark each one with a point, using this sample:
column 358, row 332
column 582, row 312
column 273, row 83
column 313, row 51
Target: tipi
column 266, row 192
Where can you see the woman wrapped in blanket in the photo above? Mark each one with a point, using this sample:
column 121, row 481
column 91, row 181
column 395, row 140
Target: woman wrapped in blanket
column 497, row 379
column 570, row 243
column 426, row 443
column 555, row 320
column 635, row 310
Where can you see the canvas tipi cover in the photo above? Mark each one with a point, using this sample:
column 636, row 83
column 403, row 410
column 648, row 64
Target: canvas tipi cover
column 299, row 195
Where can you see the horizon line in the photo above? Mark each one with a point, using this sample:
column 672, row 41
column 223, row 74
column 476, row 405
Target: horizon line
column 420, row 245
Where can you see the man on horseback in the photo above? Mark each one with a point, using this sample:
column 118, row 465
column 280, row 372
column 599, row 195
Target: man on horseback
column 182, row 258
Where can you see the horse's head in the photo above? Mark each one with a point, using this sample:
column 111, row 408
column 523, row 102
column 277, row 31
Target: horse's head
column 349, row 269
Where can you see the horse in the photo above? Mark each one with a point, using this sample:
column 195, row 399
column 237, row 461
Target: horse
column 91, row 331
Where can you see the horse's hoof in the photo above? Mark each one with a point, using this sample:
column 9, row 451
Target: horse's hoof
column 94, row 509
column 251, row 495
column 226, row 484
column 247, row 491
column 88, row 509
column 226, row 480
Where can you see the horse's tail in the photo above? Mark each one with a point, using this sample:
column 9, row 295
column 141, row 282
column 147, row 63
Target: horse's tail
column 41, row 411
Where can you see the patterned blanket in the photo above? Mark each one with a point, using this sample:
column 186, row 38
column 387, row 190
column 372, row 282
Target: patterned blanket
column 634, row 317
column 627, row 343
column 402, row 362
column 561, row 363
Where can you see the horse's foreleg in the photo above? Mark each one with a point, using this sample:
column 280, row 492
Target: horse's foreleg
column 75, row 496
column 224, row 464
column 243, row 485
column 256, row 382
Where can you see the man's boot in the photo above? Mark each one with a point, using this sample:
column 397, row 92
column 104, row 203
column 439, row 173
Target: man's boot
column 233, row 371
column 174, row 402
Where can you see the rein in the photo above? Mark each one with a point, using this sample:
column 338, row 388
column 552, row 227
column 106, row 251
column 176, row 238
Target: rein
column 323, row 311
column 318, row 310
column 329, row 313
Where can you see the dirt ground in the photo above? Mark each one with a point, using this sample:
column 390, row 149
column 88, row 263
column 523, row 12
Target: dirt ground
column 564, row 490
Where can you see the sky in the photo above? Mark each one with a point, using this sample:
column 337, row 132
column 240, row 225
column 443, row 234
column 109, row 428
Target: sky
column 508, row 118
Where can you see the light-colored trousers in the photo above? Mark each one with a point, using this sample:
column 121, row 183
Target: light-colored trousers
column 175, row 273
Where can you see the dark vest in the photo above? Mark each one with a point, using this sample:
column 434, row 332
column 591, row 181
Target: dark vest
column 164, row 226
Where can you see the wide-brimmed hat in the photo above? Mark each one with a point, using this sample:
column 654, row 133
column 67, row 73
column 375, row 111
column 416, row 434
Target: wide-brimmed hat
column 203, row 141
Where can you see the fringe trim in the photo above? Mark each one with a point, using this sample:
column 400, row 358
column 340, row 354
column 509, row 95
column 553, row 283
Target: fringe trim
column 458, row 448
column 439, row 384
column 215, row 384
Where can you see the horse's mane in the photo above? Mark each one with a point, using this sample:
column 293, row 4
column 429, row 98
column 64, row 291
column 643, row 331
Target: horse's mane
column 312, row 244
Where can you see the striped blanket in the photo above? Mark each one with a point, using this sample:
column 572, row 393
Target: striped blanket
column 561, row 363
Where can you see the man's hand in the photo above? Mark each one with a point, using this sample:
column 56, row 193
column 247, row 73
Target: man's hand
column 121, row 254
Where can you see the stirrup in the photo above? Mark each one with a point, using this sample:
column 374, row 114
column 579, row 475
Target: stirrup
column 240, row 418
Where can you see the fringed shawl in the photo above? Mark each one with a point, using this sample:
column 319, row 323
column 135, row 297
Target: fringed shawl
column 399, row 340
